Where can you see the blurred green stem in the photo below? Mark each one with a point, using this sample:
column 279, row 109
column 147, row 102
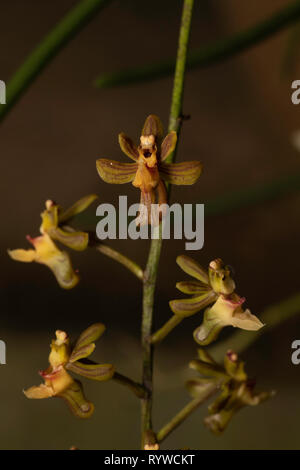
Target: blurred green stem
column 249, row 196
column 272, row 316
column 210, row 54
column 156, row 244
column 48, row 48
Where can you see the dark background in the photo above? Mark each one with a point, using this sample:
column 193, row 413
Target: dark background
column 242, row 120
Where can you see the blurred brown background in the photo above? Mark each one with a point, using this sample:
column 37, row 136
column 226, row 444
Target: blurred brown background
column 241, row 124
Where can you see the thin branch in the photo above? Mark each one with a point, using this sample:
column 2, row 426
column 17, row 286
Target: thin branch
column 122, row 259
column 207, row 55
column 156, row 244
column 135, row 387
column 185, row 413
column 48, row 48
column 160, row 334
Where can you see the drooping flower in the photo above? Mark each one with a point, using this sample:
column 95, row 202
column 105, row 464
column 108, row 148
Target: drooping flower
column 236, row 389
column 150, row 170
column 59, row 383
column 213, row 287
column 226, row 311
column 54, row 227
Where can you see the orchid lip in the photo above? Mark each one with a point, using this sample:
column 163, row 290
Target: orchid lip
column 234, row 303
column 51, row 375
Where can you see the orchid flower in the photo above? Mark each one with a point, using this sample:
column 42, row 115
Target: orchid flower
column 57, row 380
column 150, row 171
column 54, row 227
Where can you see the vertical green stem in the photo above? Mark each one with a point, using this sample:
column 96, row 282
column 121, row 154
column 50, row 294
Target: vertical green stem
column 156, row 243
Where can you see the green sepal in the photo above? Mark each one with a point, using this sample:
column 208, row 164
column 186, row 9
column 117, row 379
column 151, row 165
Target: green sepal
column 208, row 369
column 99, row 372
column 202, row 388
column 204, row 356
column 115, row 172
column 76, row 240
column 78, row 207
column 191, row 267
column 182, row 174
column 209, row 330
column 83, row 352
column 90, row 335
column 192, row 287
column 76, row 400
column 153, row 126
column 168, row 145
column 128, row 147
column 188, row 307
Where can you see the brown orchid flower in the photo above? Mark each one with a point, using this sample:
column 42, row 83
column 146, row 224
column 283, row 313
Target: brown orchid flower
column 149, row 172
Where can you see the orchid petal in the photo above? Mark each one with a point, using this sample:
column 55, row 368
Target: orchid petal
column 100, row 372
column 82, row 352
column 116, row 172
column 90, row 335
column 25, row 256
column 168, row 145
column 185, row 173
column 153, row 126
column 191, row 287
column 77, row 208
column 76, row 240
column 191, row 267
column 188, row 307
column 128, row 147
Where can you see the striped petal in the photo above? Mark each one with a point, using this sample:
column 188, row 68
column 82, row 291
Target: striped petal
column 168, row 145
column 76, row 401
column 83, row 352
column 192, row 287
column 116, row 172
column 188, row 307
column 128, row 147
column 184, row 173
column 98, row 372
column 90, row 335
column 76, row 240
column 191, row 267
